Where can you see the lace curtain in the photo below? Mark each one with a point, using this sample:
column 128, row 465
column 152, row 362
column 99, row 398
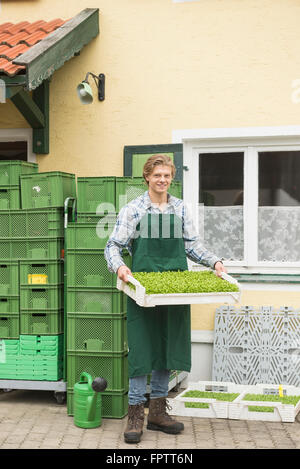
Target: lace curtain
column 279, row 234
column 222, row 231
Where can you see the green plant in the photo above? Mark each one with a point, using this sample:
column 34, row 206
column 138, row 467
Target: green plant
column 182, row 282
column 219, row 396
column 292, row 400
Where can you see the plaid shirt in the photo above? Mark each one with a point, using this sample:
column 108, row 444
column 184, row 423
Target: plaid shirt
column 128, row 219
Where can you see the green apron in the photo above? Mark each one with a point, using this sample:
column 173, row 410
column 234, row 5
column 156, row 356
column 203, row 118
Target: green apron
column 158, row 337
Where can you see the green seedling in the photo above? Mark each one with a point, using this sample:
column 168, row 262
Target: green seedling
column 219, row 396
column 292, row 400
column 183, row 282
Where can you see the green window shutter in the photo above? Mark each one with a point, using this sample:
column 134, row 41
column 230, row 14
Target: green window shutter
column 135, row 157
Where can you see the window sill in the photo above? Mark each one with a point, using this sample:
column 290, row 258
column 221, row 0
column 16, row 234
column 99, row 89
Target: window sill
column 266, row 278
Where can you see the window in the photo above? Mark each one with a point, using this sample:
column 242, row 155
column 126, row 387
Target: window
column 245, row 195
column 16, row 144
column 221, row 203
column 279, row 206
column 13, row 151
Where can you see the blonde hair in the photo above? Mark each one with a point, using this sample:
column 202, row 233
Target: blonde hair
column 157, row 160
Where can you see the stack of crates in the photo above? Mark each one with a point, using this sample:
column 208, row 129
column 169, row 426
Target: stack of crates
column 96, row 310
column 31, row 268
column 33, row 358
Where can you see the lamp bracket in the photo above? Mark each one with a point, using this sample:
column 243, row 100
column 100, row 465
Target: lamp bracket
column 100, row 83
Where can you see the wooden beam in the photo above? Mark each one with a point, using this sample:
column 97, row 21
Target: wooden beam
column 10, row 91
column 29, row 110
column 42, row 59
column 40, row 97
column 35, row 110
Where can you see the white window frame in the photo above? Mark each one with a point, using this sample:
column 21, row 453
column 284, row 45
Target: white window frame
column 19, row 135
column 250, row 141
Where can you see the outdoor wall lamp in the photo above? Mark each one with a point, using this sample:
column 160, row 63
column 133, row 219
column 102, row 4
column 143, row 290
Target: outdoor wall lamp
column 84, row 89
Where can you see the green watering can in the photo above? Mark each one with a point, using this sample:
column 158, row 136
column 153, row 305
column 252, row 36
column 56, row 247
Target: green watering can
column 87, row 401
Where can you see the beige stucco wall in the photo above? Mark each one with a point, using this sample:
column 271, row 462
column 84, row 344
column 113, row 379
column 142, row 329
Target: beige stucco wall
column 203, row 316
column 168, row 66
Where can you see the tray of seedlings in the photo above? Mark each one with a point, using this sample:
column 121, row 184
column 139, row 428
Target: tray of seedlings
column 149, row 289
column 275, row 403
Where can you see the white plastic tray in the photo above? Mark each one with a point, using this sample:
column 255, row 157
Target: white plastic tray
column 142, row 299
column 238, row 409
column 217, row 409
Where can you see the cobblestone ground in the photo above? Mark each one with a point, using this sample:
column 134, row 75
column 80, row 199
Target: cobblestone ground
column 33, row 419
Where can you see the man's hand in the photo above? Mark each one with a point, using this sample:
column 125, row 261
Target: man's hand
column 123, row 273
column 219, row 268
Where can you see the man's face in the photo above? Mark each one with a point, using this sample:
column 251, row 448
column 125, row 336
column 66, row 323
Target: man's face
column 160, row 179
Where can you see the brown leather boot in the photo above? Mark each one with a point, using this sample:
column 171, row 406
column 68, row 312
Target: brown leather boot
column 135, row 423
column 158, row 419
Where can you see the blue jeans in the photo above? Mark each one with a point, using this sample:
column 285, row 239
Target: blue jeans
column 158, row 386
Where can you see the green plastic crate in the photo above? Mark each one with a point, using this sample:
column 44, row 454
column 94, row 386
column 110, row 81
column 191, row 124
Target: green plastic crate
column 97, row 332
column 49, row 189
column 114, row 404
column 92, row 192
column 33, row 248
column 111, row 366
column 88, row 269
column 42, row 297
column 128, row 189
column 41, row 273
column 32, row 223
column 10, row 171
column 42, row 323
column 10, row 197
column 9, row 304
column 45, row 373
column 9, row 325
column 9, row 347
column 93, row 300
column 40, row 364
column 42, row 345
column 9, row 278
column 91, row 235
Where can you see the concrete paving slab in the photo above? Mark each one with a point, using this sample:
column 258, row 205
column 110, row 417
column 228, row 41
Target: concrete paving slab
column 34, row 420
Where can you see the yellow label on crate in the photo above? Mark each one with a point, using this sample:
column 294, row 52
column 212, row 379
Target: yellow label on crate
column 36, row 279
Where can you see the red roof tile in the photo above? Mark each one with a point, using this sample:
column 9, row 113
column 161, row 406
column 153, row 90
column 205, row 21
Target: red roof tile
column 4, row 36
column 15, row 39
column 4, row 49
column 52, row 25
column 9, row 68
column 15, row 28
column 31, row 28
column 13, row 52
column 5, row 25
column 31, row 39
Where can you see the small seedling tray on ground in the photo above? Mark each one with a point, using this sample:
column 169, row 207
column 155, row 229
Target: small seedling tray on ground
column 213, row 403
column 142, row 299
column 237, row 407
column 264, row 408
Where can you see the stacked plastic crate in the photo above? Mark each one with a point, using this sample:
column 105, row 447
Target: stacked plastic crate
column 96, row 310
column 12, row 245
column 32, row 240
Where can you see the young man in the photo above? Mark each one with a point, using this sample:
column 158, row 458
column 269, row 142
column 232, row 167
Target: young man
column 159, row 234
